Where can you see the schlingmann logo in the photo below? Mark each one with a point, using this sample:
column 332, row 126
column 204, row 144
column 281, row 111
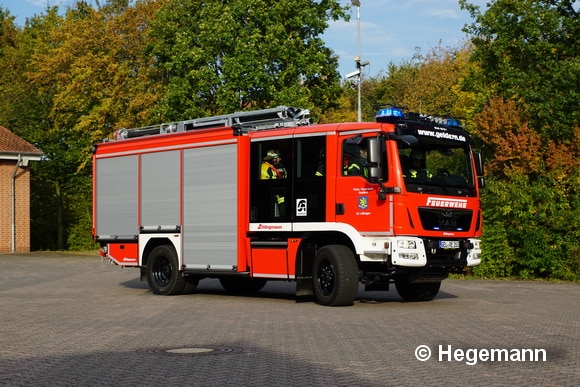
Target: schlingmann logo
column 473, row 356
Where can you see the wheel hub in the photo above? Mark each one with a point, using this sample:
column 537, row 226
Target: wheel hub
column 163, row 272
column 326, row 278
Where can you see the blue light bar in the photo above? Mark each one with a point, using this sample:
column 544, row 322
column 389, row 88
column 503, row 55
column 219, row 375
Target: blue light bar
column 390, row 114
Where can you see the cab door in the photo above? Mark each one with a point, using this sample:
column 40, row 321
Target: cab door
column 299, row 195
column 309, row 179
column 358, row 201
column 271, row 181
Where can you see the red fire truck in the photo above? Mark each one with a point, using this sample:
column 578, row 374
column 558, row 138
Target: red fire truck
column 197, row 199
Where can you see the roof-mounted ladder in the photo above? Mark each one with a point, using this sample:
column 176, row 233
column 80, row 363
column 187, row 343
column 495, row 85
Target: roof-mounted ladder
column 242, row 122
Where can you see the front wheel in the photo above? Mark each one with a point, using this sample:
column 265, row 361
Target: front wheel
column 422, row 291
column 163, row 273
column 336, row 276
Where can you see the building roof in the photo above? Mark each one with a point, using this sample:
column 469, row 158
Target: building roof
column 11, row 146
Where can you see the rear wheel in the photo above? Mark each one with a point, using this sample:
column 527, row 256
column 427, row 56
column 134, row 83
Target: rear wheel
column 242, row 284
column 163, row 273
column 336, row 276
column 422, row 291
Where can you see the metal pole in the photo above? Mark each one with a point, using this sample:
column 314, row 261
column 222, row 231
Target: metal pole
column 359, row 113
column 13, row 197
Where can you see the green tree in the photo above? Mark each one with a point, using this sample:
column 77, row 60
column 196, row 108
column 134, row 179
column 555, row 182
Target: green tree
column 25, row 110
column 425, row 83
column 93, row 75
column 525, row 75
column 345, row 110
column 223, row 56
column 7, row 30
column 531, row 206
column 529, row 51
column 8, row 37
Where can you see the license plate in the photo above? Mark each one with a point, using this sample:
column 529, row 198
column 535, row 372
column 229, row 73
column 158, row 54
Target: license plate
column 448, row 244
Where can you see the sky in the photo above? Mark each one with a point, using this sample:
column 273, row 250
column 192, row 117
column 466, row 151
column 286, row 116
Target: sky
column 390, row 30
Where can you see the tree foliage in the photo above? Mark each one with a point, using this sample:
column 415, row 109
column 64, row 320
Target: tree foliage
column 425, row 83
column 86, row 74
column 528, row 51
column 531, row 205
column 234, row 55
column 526, row 68
column 7, row 30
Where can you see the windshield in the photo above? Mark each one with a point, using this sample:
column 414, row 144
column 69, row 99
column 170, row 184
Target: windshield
column 443, row 170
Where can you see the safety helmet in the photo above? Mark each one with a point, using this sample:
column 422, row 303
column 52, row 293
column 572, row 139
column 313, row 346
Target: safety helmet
column 272, row 154
column 351, row 149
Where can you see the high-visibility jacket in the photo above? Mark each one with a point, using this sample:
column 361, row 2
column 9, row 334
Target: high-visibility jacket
column 355, row 167
column 414, row 173
column 269, row 171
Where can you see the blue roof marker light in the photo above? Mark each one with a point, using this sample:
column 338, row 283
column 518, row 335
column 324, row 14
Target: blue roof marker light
column 453, row 122
column 390, row 114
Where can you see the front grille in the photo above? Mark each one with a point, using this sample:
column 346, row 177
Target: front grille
column 445, row 219
column 439, row 257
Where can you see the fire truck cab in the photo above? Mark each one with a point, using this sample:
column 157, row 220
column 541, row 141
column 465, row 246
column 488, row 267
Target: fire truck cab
column 392, row 201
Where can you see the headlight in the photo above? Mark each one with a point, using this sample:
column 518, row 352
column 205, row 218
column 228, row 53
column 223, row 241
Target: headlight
column 413, row 256
column 407, row 244
column 476, row 244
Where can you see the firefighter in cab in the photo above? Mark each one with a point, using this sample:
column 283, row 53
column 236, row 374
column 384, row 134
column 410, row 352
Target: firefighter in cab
column 418, row 168
column 272, row 168
column 355, row 159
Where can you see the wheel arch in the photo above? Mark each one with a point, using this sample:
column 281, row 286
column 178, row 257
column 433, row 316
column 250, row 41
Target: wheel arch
column 312, row 242
column 152, row 242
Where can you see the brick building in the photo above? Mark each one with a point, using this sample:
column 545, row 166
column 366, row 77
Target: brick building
column 15, row 155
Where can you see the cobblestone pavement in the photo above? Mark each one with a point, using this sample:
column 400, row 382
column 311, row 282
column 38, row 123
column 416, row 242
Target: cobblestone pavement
column 73, row 320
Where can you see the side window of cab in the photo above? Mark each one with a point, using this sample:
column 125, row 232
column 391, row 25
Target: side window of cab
column 354, row 153
column 270, row 174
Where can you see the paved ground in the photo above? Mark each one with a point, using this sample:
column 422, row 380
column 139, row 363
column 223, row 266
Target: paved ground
column 74, row 320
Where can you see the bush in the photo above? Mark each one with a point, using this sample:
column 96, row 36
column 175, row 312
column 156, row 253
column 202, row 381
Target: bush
column 530, row 230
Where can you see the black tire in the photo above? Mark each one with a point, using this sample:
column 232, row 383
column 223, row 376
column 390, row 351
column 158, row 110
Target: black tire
column 163, row 273
column 335, row 276
column 243, row 284
column 416, row 291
